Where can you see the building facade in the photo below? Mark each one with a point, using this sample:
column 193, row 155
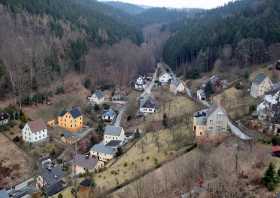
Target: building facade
column 34, row 131
column 261, row 85
column 113, row 133
column 71, row 120
column 212, row 121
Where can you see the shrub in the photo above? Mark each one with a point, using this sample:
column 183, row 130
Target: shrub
column 125, row 164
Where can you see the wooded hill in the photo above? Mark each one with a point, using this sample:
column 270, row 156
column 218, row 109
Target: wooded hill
column 247, row 28
column 126, row 7
column 101, row 22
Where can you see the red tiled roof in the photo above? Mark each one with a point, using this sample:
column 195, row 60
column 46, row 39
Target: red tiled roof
column 275, row 149
column 37, row 125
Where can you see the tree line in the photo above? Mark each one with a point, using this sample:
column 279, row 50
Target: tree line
column 247, row 27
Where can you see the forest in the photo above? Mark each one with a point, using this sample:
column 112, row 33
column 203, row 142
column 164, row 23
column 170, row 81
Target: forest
column 247, row 28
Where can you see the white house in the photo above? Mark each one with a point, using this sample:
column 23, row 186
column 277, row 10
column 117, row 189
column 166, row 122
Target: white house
column 140, row 83
column 165, row 78
column 4, row 118
column 260, row 85
column 177, row 86
column 102, row 152
column 97, row 98
column 210, row 121
column 34, row 131
column 109, row 115
column 201, row 95
column 267, row 109
column 113, row 133
column 148, row 105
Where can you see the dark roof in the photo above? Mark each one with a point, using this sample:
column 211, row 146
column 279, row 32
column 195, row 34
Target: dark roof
column 55, row 188
column 114, row 143
column 259, row 78
column 37, row 125
column 84, row 161
column 101, row 148
column 4, row 116
column 112, row 130
column 149, row 103
column 63, row 113
column 53, row 175
column 75, row 112
column 86, row 183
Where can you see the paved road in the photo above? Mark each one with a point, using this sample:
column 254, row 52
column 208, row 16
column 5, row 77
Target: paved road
column 236, row 131
column 118, row 119
column 148, row 89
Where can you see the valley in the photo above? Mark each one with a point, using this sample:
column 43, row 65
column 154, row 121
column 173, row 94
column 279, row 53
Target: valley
column 110, row 99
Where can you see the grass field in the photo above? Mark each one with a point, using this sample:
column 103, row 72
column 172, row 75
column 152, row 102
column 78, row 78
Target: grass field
column 173, row 106
column 236, row 102
column 143, row 156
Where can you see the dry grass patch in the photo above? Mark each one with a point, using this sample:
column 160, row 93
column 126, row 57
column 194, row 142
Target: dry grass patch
column 15, row 160
column 149, row 152
column 236, row 102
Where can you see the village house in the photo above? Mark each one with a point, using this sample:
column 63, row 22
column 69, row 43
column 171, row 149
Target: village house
column 266, row 109
column 201, row 95
column 82, row 164
column 4, row 118
column 140, row 83
column 97, row 98
column 50, row 179
column 148, row 105
column 212, row 121
column 261, row 85
column 71, row 120
column 102, row 152
column 177, row 86
column 113, row 133
column 34, row 131
column 165, row 78
column 109, row 115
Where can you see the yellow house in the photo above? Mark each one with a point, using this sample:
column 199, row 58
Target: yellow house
column 71, row 120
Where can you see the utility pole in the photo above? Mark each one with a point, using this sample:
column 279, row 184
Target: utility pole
column 236, row 158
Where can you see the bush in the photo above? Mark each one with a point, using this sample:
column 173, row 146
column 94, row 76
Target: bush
column 87, row 83
column 59, row 90
column 125, row 164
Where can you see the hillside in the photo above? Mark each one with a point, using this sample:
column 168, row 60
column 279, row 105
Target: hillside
column 102, row 23
column 126, row 7
column 247, row 29
column 164, row 15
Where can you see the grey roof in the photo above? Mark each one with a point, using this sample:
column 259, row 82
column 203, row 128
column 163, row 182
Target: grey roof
column 101, row 148
column 112, row 130
column 214, row 108
column 84, row 161
column 53, row 175
column 99, row 94
column 259, row 78
column 149, row 103
column 4, row 194
column 114, row 143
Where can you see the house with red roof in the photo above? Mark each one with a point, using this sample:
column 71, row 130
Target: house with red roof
column 34, row 131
